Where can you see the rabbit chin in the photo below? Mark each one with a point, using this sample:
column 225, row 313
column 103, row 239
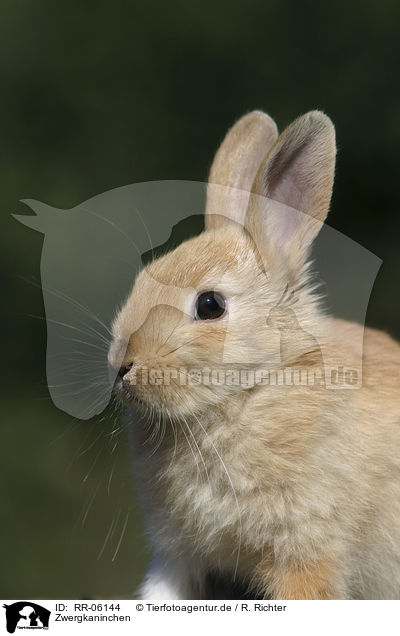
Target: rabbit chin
column 127, row 395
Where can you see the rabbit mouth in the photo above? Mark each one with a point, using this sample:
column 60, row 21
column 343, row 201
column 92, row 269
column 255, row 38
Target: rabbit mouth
column 126, row 394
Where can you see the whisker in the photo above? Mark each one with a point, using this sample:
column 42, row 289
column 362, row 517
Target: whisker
column 64, row 324
column 161, row 438
column 92, row 466
column 72, row 301
column 80, row 447
column 121, row 537
column 103, row 218
column 182, row 345
column 107, row 538
column 175, row 439
column 165, row 341
column 116, row 523
column 91, row 500
column 109, row 479
column 147, row 232
column 74, row 424
column 191, row 449
column 86, row 343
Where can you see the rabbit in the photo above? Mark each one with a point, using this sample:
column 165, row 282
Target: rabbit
column 293, row 488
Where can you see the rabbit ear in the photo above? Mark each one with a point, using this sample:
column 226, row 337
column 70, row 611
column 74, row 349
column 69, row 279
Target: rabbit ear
column 235, row 166
column 295, row 183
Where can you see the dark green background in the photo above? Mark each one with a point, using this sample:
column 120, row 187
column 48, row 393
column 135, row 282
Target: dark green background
column 96, row 95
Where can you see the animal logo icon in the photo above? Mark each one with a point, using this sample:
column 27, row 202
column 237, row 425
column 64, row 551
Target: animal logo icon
column 25, row 614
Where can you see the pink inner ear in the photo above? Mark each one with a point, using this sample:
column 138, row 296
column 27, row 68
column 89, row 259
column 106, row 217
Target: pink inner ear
column 290, row 201
column 290, row 189
column 297, row 178
column 283, row 223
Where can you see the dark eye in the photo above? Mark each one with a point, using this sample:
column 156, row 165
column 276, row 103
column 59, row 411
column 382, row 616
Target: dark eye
column 209, row 306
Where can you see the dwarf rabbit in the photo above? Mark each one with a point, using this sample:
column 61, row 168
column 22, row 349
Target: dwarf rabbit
column 292, row 487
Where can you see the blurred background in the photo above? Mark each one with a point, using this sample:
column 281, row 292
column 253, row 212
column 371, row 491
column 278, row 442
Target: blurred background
column 97, row 95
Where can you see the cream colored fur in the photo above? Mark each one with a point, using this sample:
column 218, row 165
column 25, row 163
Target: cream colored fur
column 295, row 489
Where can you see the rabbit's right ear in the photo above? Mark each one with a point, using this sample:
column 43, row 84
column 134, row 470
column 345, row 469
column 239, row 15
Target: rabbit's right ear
column 235, row 166
column 293, row 187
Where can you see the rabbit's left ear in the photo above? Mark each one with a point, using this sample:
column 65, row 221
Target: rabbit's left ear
column 295, row 185
column 235, row 166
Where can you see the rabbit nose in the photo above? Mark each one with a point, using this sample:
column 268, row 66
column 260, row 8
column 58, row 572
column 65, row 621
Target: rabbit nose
column 124, row 370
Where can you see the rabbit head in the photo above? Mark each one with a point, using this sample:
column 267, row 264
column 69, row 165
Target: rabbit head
column 206, row 305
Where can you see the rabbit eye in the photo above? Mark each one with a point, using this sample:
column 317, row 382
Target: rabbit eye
column 209, row 306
